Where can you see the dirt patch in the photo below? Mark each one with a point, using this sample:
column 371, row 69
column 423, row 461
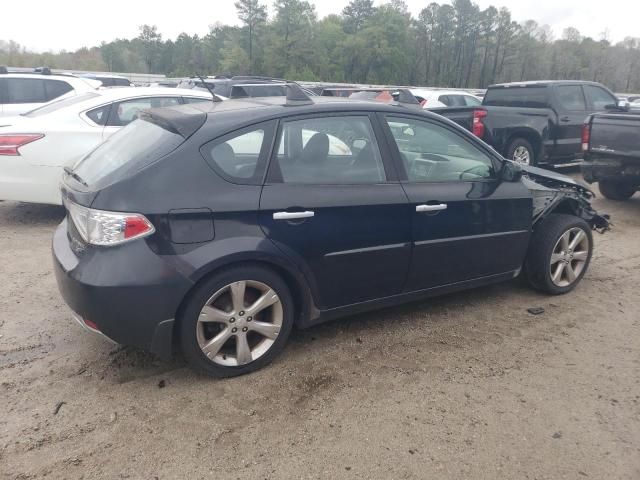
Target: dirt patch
column 470, row 385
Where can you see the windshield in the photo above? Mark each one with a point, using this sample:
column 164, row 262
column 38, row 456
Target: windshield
column 127, row 151
column 58, row 104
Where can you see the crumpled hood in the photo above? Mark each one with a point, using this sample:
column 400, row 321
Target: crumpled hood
column 550, row 178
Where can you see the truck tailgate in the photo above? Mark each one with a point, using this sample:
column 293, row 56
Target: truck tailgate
column 616, row 134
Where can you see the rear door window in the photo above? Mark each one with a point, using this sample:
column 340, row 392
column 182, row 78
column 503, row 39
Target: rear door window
column 26, row 90
column 56, row 88
column 533, row 96
column 471, row 101
column 328, row 150
column 127, row 111
column 571, row 98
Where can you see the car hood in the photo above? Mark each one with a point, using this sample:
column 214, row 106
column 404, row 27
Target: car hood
column 554, row 179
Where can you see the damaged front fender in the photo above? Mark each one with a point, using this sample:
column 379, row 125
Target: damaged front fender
column 553, row 192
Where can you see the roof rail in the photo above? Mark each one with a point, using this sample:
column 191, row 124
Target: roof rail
column 257, row 77
column 3, row 69
column 43, row 70
column 296, row 96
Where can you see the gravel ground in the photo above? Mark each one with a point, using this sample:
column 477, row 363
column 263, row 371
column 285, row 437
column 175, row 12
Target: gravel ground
column 469, row 385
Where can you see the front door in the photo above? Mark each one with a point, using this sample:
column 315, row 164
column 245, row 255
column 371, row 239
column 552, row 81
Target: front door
column 332, row 205
column 466, row 224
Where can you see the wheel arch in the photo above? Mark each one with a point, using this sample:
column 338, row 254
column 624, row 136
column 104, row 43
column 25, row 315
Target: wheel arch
column 530, row 136
column 304, row 304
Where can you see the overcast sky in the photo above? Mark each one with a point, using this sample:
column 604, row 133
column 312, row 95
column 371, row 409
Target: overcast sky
column 69, row 24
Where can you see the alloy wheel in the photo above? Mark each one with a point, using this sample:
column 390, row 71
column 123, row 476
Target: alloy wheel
column 569, row 257
column 239, row 323
column 521, row 155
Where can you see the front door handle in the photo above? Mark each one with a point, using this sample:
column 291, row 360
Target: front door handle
column 431, row 208
column 565, row 119
column 292, row 215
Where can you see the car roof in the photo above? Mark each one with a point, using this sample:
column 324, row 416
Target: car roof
column 39, row 76
column 542, row 83
column 419, row 91
column 235, row 113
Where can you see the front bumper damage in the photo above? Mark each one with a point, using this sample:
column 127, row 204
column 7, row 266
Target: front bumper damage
column 552, row 191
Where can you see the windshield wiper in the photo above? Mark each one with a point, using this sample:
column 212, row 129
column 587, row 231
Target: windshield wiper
column 75, row 176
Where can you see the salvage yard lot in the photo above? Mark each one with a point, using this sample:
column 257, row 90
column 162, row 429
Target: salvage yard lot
column 469, row 385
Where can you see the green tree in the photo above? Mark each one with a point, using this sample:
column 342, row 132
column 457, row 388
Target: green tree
column 253, row 15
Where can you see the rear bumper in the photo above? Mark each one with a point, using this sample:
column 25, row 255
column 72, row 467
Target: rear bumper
column 596, row 169
column 21, row 181
column 129, row 292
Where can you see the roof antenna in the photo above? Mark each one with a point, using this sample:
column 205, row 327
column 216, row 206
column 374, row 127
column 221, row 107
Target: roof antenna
column 214, row 97
column 296, row 96
column 405, row 97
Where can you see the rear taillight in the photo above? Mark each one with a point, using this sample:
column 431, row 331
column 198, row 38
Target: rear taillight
column 9, row 144
column 586, row 136
column 478, row 127
column 98, row 227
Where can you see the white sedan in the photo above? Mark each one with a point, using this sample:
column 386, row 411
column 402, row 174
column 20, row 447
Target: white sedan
column 35, row 147
column 445, row 98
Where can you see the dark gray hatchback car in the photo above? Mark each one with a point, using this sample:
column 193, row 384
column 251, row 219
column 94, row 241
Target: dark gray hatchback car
column 218, row 227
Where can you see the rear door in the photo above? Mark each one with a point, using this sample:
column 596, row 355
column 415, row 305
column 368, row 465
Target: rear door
column 571, row 108
column 466, row 224
column 332, row 203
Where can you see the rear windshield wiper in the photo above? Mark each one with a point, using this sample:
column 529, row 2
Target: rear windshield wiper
column 75, row 176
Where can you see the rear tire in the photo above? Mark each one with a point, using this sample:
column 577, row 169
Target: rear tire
column 522, row 152
column 559, row 254
column 618, row 190
column 236, row 321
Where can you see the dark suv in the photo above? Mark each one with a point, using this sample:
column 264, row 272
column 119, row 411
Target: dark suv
column 218, row 227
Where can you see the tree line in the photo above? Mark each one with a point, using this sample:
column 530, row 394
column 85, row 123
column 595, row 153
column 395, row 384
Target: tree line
column 446, row 45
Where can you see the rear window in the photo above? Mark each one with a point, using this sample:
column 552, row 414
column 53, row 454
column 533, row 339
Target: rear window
column 58, row 104
column 524, row 97
column 127, row 151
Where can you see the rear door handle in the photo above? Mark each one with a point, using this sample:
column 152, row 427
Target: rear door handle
column 431, row 208
column 292, row 215
column 565, row 119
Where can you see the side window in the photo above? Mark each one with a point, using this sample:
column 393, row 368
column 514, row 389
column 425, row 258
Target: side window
column 127, row 111
column 328, row 150
column 471, row 101
column 25, row 90
column 195, row 99
column 456, row 101
column 238, row 156
column 99, row 115
column 56, row 88
column 598, row 97
column 431, row 153
column 445, row 99
column 571, row 98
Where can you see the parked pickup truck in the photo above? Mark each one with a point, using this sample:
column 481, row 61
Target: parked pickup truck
column 611, row 145
column 535, row 122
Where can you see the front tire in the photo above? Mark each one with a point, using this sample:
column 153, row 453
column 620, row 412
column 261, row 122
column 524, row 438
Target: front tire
column 236, row 322
column 618, row 190
column 559, row 254
column 522, row 152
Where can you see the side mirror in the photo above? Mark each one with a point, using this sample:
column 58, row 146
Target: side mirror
column 511, row 172
column 621, row 105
